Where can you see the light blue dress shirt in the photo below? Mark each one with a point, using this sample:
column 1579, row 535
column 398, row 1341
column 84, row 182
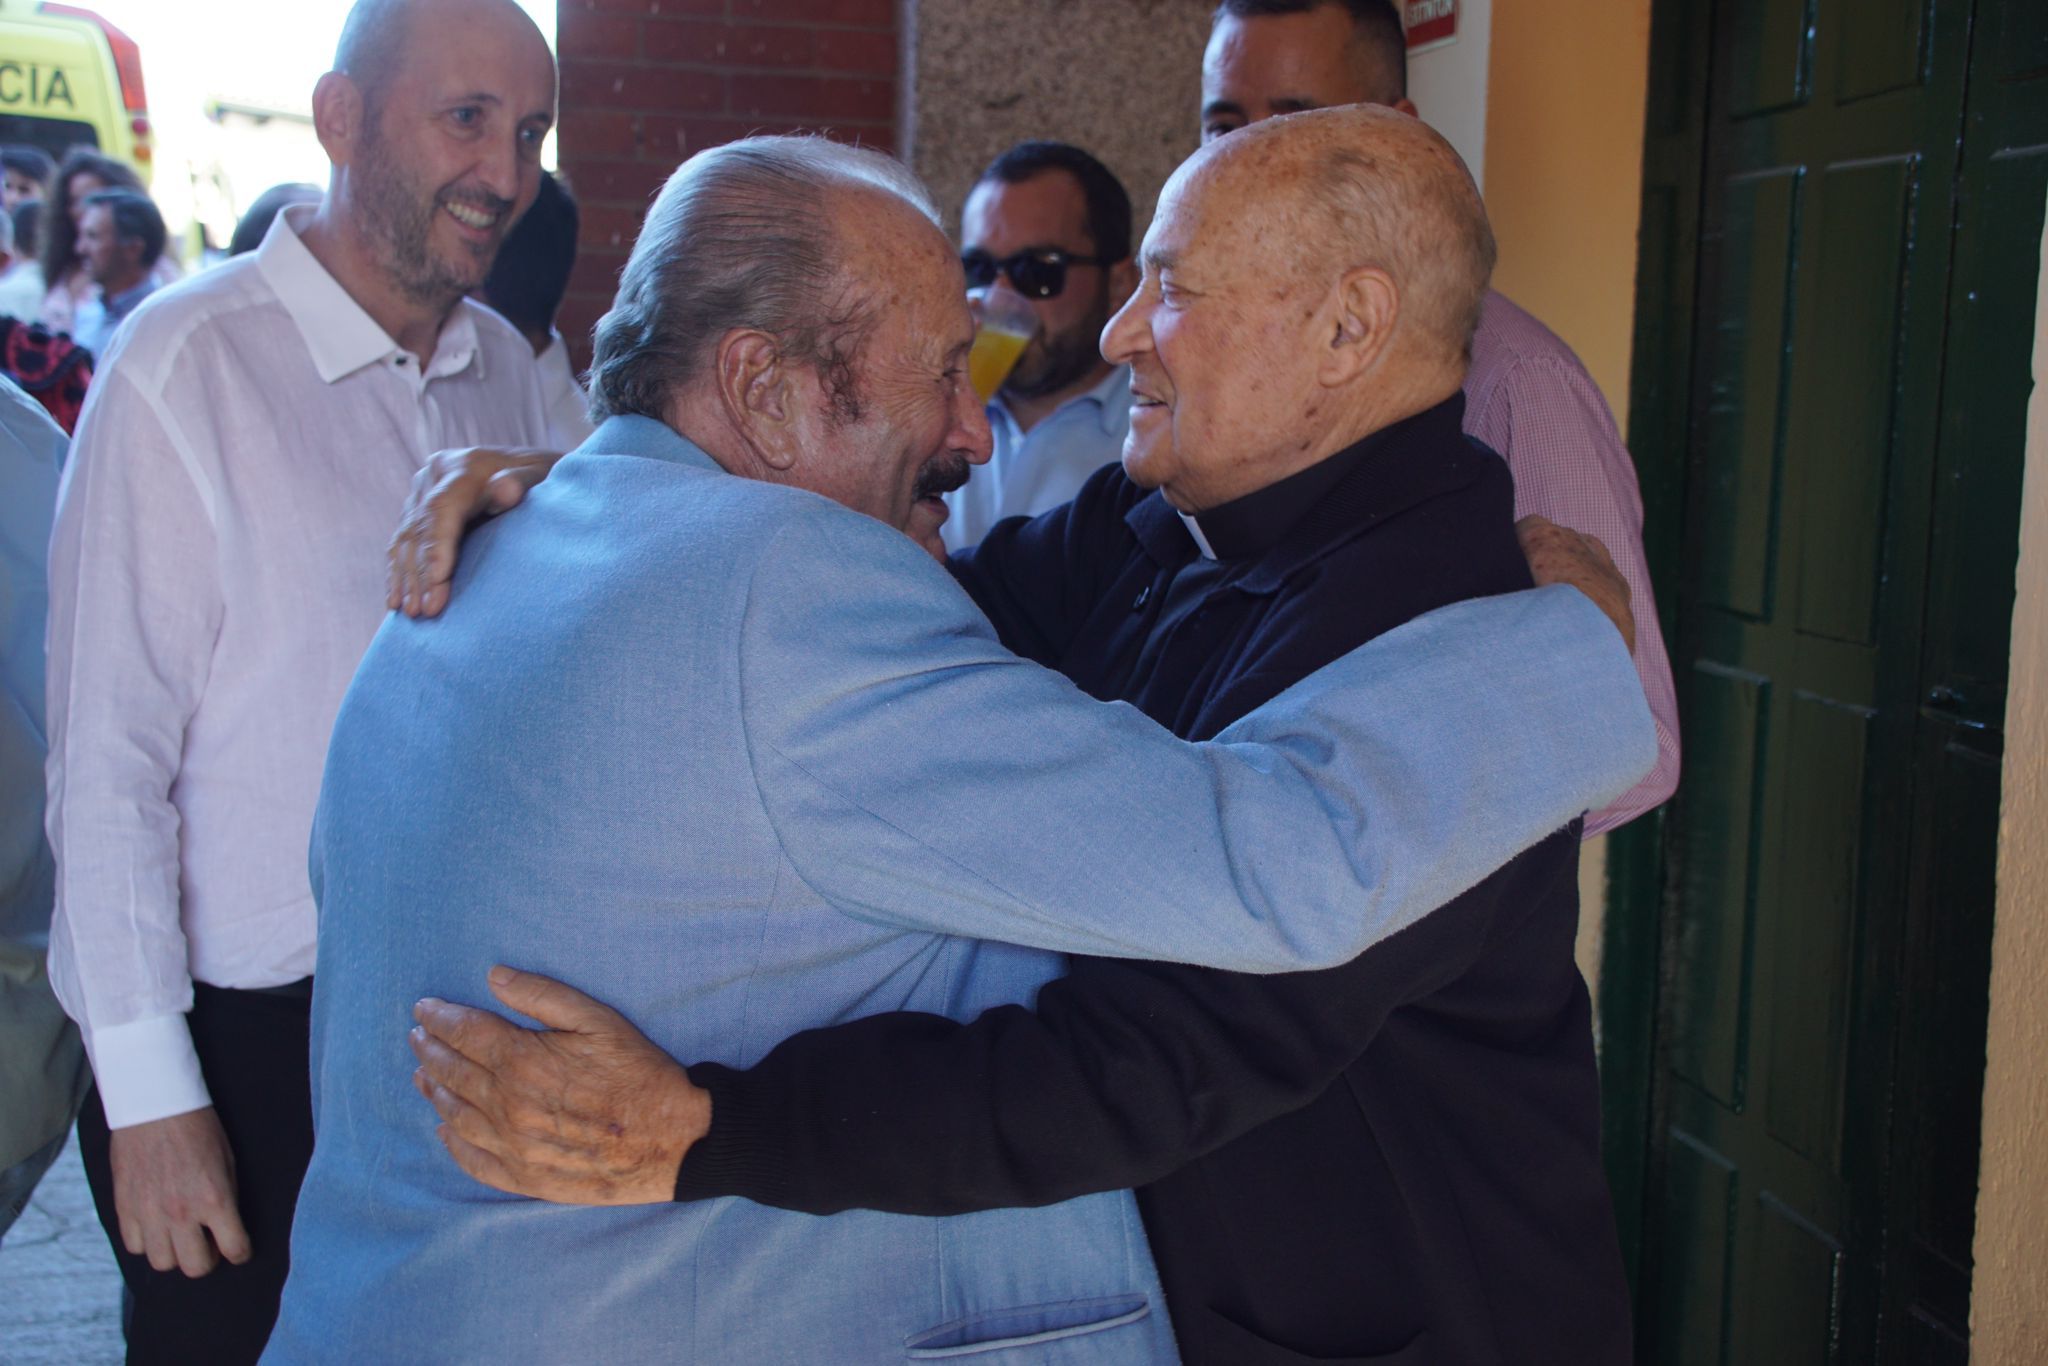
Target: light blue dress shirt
column 1033, row 472
column 99, row 317
column 743, row 762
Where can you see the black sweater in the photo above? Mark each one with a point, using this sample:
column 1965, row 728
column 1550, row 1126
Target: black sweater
column 1394, row 1160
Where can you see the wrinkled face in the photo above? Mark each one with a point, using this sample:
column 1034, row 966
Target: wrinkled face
column 77, row 189
column 1045, row 212
column 449, row 153
column 1277, row 64
column 913, row 426
column 16, row 188
column 1221, row 338
column 107, row 259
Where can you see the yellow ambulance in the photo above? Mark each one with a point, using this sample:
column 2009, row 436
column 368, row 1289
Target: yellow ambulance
column 68, row 77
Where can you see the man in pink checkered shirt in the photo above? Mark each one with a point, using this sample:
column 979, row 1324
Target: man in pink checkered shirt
column 1527, row 396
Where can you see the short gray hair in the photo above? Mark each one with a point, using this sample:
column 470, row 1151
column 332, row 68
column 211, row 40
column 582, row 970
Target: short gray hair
column 741, row 237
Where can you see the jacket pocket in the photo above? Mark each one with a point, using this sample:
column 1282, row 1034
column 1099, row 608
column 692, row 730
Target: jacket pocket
column 1003, row 1329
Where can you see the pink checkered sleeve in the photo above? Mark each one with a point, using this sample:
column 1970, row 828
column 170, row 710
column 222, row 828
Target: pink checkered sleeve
column 1545, row 415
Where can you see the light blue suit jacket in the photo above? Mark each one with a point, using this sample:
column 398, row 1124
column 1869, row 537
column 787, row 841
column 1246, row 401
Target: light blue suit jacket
column 742, row 762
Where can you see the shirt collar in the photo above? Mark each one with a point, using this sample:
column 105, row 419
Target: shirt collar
column 122, row 304
column 631, row 434
column 341, row 336
column 1303, row 517
column 1111, row 397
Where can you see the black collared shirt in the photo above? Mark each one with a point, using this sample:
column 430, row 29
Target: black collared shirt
column 1394, row 1159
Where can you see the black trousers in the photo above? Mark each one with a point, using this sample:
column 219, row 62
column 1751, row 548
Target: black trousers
column 252, row 1049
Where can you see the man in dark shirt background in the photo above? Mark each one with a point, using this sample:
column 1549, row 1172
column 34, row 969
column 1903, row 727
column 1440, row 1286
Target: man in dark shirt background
column 1396, row 1159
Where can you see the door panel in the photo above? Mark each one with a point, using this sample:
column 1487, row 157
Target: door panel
column 1809, row 933
column 1847, row 463
column 1712, row 951
column 1847, row 392
column 1884, row 51
column 1744, row 417
column 1793, row 1309
column 1773, row 55
column 1701, row 1218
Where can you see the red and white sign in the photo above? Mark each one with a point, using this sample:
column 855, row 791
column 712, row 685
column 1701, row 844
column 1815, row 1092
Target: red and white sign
column 1430, row 23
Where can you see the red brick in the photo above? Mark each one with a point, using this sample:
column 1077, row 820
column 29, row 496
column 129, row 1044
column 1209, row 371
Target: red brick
column 590, row 34
column 811, row 97
column 846, row 51
column 617, row 182
column 597, row 133
column 597, row 271
column 875, row 13
column 730, row 45
column 608, row 227
column 617, row 85
column 642, row 7
column 671, row 140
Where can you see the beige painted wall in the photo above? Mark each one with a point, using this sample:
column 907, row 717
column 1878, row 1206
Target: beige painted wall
column 1563, row 158
column 1119, row 78
column 2009, row 1297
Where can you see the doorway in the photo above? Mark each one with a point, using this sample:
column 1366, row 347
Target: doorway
column 1841, row 231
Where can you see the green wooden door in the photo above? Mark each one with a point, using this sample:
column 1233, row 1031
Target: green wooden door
column 1831, row 434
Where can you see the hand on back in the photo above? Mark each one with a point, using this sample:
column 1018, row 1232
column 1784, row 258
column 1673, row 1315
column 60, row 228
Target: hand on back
column 452, row 491
column 1557, row 554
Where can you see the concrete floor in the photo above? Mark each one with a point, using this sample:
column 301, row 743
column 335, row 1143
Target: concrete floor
column 60, row 1294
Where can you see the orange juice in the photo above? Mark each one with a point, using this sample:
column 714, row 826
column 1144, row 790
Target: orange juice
column 993, row 357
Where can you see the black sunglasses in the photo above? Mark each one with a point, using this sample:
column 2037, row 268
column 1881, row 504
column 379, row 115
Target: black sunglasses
column 1035, row 274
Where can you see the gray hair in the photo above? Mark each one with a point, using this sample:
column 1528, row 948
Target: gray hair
column 742, row 236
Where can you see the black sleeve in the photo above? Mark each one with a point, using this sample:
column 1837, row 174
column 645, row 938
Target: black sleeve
column 1038, row 578
column 1124, row 1072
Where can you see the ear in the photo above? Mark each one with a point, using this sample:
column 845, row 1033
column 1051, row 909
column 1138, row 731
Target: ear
column 757, row 388
column 337, row 116
column 1406, row 106
column 1365, row 307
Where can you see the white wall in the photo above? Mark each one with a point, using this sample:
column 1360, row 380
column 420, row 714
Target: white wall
column 1448, row 85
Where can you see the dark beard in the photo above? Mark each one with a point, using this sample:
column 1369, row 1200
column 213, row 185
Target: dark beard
column 401, row 217
column 1064, row 358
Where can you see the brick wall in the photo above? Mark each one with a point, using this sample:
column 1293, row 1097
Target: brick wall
column 645, row 83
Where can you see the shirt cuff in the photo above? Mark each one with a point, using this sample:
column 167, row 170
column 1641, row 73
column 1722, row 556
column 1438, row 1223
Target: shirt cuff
column 742, row 1153
column 146, row 1070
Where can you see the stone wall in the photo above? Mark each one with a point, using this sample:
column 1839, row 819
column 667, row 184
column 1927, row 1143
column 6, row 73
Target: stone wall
column 1120, row 78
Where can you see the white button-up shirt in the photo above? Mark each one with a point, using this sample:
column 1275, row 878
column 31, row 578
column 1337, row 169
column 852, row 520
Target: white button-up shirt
column 1033, row 472
column 568, row 407
column 216, row 572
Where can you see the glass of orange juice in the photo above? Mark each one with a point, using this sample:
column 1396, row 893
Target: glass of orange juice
column 1004, row 326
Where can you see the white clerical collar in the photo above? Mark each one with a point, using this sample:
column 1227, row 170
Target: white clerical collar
column 1195, row 530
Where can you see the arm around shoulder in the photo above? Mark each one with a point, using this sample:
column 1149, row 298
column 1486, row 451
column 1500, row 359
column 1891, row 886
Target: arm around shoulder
column 920, row 776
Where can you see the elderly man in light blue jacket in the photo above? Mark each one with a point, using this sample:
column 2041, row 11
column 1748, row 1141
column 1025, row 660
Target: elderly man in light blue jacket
column 705, row 733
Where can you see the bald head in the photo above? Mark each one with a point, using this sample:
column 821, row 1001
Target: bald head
column 1362, row 185
column 378, row 35
column 1307, row 282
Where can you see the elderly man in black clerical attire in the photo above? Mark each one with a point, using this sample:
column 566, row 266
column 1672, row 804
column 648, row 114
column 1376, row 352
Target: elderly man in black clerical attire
column 1398, row 1158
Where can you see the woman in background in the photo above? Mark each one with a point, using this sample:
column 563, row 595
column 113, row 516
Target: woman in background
column 84, row 172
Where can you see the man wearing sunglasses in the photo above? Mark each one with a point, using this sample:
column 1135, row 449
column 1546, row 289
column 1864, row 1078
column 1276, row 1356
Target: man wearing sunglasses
column 1051, row 224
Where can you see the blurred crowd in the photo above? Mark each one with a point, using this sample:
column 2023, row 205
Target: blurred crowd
column 82, row 244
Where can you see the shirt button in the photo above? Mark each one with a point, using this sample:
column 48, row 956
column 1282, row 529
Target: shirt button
column 1144, row 596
